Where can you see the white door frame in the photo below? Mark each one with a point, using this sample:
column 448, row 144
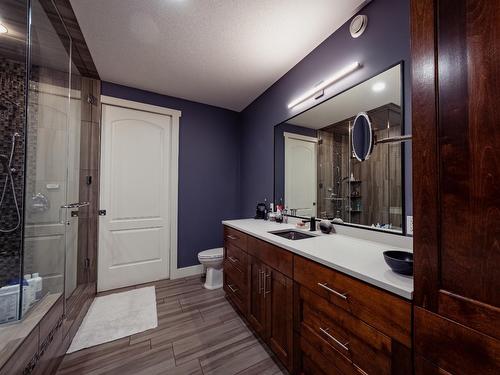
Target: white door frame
column 174, row 174
column 288, row 136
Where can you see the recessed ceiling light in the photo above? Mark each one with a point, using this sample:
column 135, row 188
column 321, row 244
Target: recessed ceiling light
column 379, row 86
column 3, row 29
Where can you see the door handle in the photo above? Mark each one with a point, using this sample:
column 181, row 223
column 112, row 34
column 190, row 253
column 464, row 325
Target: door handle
column 71, row 205
column 76, row 205
column 232, row 237
column 232, row 259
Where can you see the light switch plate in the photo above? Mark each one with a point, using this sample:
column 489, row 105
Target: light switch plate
column 409, row 225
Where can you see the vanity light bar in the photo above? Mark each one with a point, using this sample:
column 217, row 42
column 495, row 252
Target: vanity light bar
column 323, row 85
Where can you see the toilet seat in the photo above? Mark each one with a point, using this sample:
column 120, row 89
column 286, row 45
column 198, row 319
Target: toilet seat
column 217, row 253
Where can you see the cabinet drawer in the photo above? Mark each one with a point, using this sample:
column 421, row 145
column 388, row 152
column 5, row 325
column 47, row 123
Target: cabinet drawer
column 320, row 360
column 389, row 314
column 238, row 276
column 235, row 237
column 235, row 292
column 336, row 329
column 275, row 257
column 237, row 257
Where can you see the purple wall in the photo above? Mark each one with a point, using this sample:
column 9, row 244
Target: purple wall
column 208, row 169
column 385, row 42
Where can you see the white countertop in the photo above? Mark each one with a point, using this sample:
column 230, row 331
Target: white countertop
column 360, row 258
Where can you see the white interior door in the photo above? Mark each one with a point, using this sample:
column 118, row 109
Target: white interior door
column 300, row 174
column 134, row 235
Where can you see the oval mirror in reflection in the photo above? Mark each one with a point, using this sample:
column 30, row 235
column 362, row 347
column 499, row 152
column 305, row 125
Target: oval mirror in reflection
column 362, row 137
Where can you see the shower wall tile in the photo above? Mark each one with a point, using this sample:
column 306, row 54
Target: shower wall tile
column 12, row 87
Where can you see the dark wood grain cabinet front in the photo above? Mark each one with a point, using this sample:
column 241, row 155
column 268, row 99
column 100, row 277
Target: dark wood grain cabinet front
column 278, row 296
column 316, row 320
column 348, row 327
column 257, row 286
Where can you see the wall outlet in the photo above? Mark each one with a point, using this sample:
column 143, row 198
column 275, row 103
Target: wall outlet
column 409, row 225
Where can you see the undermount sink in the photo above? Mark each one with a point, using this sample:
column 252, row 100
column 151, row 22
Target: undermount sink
column 291, row 234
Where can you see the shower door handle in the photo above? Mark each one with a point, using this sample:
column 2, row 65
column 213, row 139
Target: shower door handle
column 76, row 205
column 70, row 205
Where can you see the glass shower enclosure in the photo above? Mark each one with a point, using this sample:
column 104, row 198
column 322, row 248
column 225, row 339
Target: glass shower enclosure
column 40, row 110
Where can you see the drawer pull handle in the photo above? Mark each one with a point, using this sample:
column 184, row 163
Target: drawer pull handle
column 266, row 291
column 232, row 289
column 232, row 259
column 326, row 333
column 325, row 286
column 261, row 282
column 232, row 237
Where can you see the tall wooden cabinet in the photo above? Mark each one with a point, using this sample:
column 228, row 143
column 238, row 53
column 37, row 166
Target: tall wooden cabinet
column 456, row 185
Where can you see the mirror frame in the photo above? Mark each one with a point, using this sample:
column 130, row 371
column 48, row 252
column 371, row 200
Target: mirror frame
column 372, row 138
column 403, row 232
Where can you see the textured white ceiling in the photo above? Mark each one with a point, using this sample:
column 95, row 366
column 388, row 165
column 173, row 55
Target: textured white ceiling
column 219, row 52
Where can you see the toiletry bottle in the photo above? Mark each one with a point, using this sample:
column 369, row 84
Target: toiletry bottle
column 38, row 286
column 25, row 293
column 266, row 210
column 271, row 216
column 28, row 292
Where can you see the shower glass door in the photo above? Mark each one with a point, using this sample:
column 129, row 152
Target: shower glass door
column 52, row 163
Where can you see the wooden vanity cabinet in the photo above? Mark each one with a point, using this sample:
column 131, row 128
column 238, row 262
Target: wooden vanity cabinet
column 256, row 283
column 346, row 326
column 316, row 320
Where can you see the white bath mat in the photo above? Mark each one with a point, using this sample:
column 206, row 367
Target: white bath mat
column 115, row 316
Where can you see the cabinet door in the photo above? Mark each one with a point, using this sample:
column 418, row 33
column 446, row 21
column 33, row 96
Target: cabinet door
column 278, row 296
column 456, row 169
column 257, row 307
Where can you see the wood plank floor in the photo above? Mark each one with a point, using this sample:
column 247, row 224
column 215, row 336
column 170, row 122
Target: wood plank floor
column 198, row 333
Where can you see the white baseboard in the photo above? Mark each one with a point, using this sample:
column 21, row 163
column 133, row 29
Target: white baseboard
column 178, row 273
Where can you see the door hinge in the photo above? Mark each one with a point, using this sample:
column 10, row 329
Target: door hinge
column 102, row 212
column 87, row 263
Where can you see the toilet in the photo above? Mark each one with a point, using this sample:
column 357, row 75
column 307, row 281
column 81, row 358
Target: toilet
column 212, row 261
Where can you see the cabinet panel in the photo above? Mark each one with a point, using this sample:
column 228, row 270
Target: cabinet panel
column 237, row 257
column 257, row 306
column 389, row 314
column 453, row 347
column 235, row 237
column 237, row 295
column 351, row 337
column 275, row 257
column 456, row 166
column 278, row 293
column 325, row 359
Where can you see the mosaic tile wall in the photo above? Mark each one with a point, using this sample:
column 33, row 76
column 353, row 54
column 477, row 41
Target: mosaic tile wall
column 12, row 87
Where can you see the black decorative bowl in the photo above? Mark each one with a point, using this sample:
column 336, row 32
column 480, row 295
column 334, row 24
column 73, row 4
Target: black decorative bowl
column 400, row 261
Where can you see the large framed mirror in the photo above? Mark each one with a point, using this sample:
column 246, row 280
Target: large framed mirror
column 319, row 173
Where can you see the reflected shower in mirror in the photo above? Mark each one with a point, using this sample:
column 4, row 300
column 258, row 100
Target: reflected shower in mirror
column 317, row 171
